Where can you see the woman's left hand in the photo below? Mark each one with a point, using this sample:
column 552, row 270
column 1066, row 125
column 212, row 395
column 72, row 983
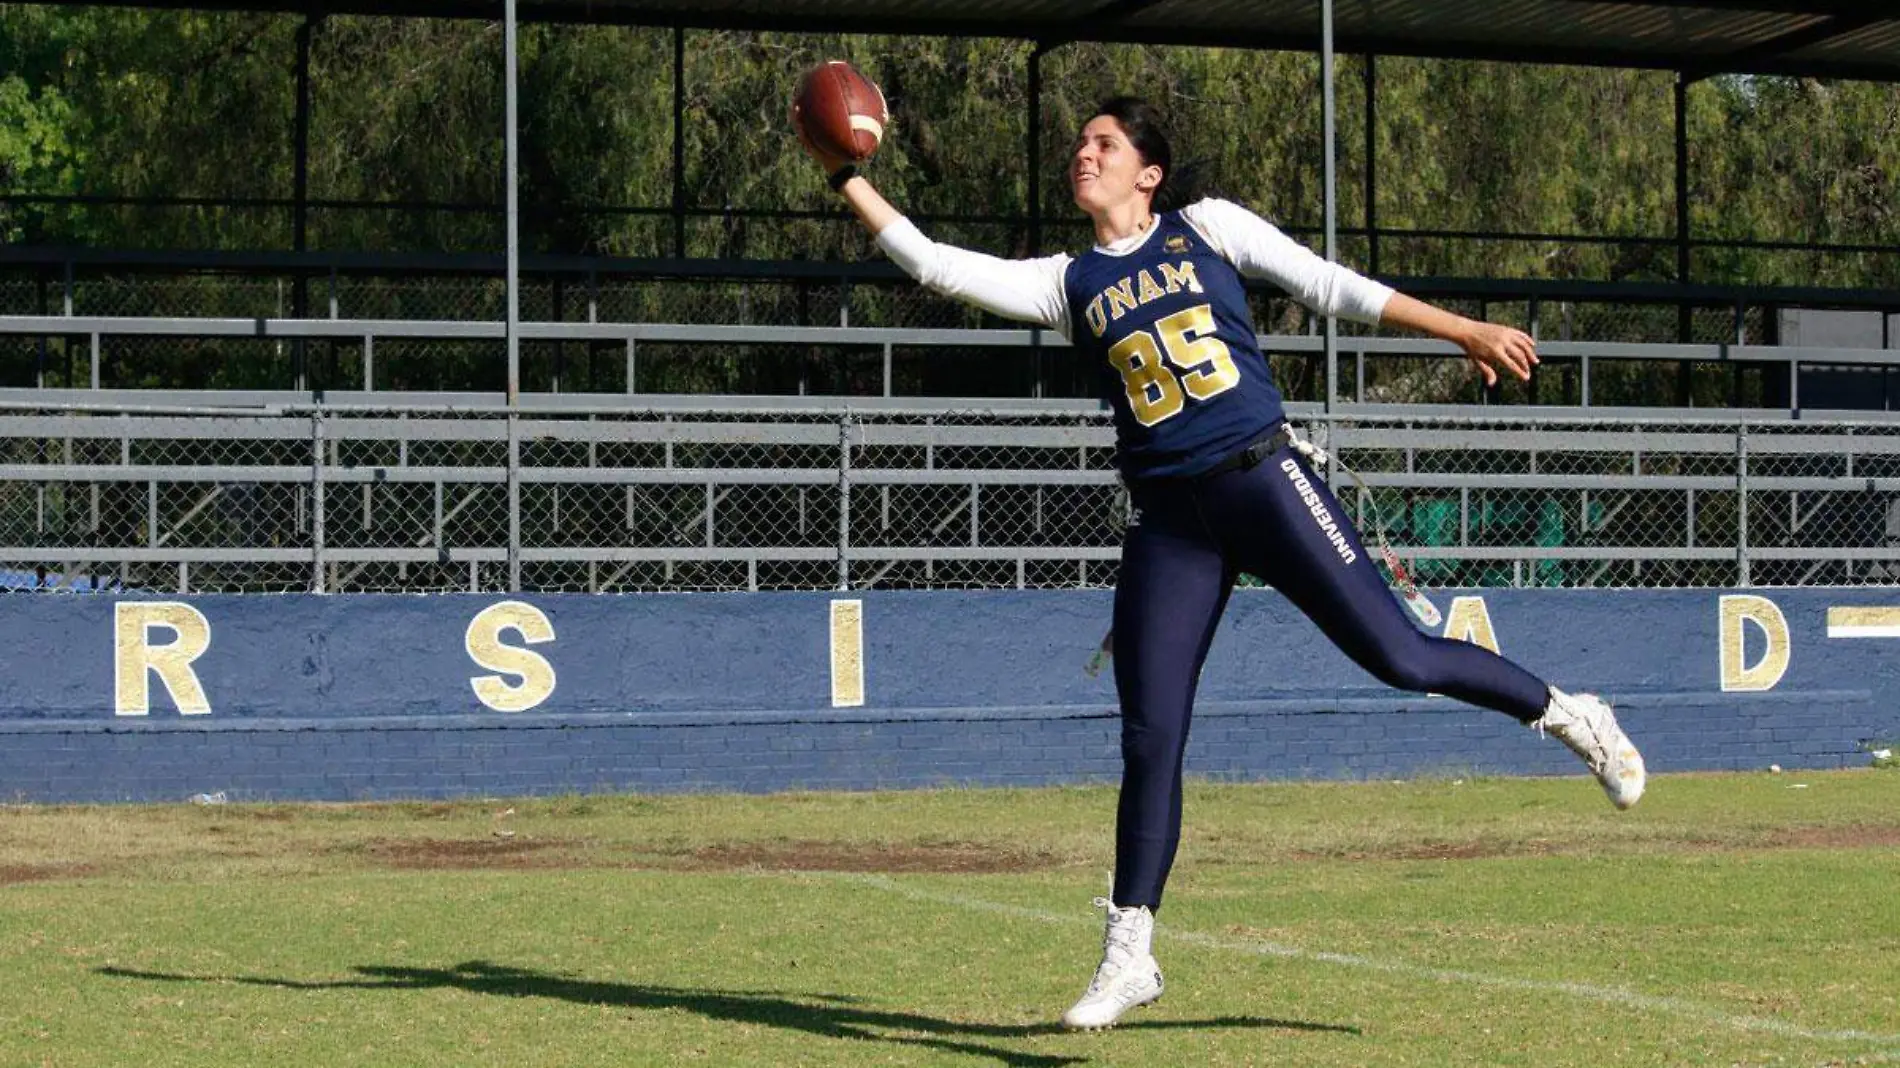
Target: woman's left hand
column 1495, row 348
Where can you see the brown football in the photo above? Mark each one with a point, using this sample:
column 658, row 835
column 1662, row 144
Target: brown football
column 840, row 111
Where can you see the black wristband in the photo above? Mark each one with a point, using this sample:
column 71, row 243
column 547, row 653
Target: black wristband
column 839, row 177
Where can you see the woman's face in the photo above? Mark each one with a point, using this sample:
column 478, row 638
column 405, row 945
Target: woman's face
column 1106, row 171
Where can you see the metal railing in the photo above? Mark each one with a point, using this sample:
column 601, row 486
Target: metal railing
column 645, row 493
column 1372, row 369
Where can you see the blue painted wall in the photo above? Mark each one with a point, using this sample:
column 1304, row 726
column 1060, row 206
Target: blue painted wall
column 355, row 697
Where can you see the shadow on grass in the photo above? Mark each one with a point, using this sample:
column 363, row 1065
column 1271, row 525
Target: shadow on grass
column 829, row 1015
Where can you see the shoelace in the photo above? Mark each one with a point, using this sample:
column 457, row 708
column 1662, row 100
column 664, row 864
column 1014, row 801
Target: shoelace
column 1118, row 948
column 1581, row 726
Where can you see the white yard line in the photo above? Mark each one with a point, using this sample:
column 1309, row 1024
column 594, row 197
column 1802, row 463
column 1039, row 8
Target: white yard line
column 1260, row 948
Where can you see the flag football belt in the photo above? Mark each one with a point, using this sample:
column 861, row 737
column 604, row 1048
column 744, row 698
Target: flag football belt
column 1248, row 458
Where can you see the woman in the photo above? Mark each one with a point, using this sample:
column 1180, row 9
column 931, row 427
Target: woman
column 1216, row 481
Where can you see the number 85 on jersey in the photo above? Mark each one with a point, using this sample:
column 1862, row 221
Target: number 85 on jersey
column 1179, row 358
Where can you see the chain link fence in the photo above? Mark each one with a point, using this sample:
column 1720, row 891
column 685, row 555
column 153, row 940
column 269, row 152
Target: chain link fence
column 731, row 498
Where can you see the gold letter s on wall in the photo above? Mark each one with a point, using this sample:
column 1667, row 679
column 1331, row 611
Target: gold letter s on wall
column 484, row 645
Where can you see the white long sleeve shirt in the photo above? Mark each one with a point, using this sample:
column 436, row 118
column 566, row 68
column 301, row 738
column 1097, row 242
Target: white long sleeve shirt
column 1032, row 290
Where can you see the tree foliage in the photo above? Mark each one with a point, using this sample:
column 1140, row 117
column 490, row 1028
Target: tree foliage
column 139, row 104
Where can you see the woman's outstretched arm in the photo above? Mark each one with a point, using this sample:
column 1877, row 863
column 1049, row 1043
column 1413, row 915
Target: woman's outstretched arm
column 1025, row 290
column 1261, row 250
column 1491, row 347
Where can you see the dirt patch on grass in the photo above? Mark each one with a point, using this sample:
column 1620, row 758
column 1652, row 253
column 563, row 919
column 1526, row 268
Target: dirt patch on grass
column 1860, row 837
column 40, row 873
column 505, row 854
column 1834, row 838
column 963, row 858
column 260, row 813
column 457, row 854
column 974, row 858
column 1473, row 850
column 1435, row 851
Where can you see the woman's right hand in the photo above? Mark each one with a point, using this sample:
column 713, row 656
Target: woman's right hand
column 871, row 209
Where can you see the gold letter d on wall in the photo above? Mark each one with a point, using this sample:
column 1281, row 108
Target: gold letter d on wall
column 1739, row 610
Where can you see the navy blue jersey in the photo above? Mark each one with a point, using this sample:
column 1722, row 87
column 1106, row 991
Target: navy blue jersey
column 1168, row 325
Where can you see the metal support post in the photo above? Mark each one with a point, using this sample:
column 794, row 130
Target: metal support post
column 300, row 211
column 1742, row 577
column 511, row 140
column 317, row 584
column 1331, row 344
column 1372, row 170
column 679, row 142
column 1032, row 171
column 1684, row 317
column 844, row 501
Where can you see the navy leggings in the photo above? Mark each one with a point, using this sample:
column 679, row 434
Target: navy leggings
column 1179, row 561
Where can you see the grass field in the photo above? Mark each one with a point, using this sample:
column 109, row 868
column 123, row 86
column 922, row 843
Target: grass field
column 1732, row 919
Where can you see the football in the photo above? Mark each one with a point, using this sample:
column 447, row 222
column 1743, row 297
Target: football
column 840, row 111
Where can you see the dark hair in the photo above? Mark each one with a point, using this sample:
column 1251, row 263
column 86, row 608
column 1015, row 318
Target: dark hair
column 1146, row 129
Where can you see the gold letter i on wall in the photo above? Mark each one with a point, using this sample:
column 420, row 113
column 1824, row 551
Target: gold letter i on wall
column 847, row 654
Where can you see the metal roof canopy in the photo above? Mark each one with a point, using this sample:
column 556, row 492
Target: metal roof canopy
column 1827, row 38
column 1696, row 38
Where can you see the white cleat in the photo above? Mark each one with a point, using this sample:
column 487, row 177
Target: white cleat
column 1128, row 975
column 1585, row 724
